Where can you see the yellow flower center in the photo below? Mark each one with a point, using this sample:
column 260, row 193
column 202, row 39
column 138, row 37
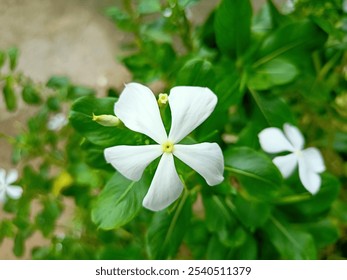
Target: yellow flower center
column 167, row 147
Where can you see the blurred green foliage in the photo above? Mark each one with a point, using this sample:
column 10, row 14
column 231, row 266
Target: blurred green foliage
column 266, row 68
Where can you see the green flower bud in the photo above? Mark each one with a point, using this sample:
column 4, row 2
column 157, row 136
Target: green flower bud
column 163, row 99
column 106, row 120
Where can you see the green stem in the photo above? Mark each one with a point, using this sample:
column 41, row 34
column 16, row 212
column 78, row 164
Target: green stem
column 293, row 198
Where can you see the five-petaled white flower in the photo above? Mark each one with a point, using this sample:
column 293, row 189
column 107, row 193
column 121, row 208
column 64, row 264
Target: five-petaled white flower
column 6, row 188
column 310, row 161
column 138, row 109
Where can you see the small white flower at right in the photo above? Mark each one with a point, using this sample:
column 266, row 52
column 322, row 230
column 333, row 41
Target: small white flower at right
column 310, row 161
column 6, row 187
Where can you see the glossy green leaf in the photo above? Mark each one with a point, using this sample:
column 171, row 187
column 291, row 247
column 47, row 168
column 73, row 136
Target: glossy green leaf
column 273, row 109
column 268, row 18
column 251, row 213
column 291, row 243
column 218, row 214
column 167, row 230
column 297, row 35
column 255, row 171
column 273, row 73
column 324, row 232
column 318, row 204
column 196, row 72
column 215, row 249
column 81, row 119
column 119, row 202
column 235, row 244
column 232, row 26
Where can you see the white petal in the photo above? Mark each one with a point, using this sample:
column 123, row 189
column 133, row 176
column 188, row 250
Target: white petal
column 138, row 109
column 190, row 106
column 272, row 140
column 14, row 192
column 286, row 164
column 310, row 179
column 166, row 186
column 294, row 136
column 314, row 159
column 12, row 176
column 205, row 158
column 131, row 161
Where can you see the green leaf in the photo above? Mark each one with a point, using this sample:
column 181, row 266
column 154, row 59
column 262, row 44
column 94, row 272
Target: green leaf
column 81, row 119
column 215, row 249
column 274, row 109
column 324, row 232
column 187, row 3
column 119, row 202
column 318, row 204
column 197, row 239
column 46, row 219
column 30, row 95
column 9, row 94
column 58, row 82
column 149, row 6
column 251, row 213
column 289, row 242
column 19, row 244
column 234, row 244
column 7, row 229
column 2, row 58
column 13, row 56
column 217, row 213
column 167, row 230
column 122, row 19
column 94, row 156
column 196, row 72
column 233, row 25
column 297, row 35
column 255, row 171
column 268, row 18
column 272, row 73
column 75, row 92
column 53, row 103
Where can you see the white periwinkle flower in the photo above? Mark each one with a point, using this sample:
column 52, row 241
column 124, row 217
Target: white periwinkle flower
column 6, row 188
column 57, row 122
column 138, row 109
column 310, row 161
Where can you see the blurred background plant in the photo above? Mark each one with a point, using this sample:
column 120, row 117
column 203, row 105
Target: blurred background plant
column 267, row 68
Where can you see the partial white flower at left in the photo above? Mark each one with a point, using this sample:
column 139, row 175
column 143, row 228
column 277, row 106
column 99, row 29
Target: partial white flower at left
column 57, row 122
column 310, row 161
column 138, row 109
column 6, row 187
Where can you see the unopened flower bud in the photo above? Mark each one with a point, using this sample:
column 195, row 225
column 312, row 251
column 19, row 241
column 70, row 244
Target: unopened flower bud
column 106, row 120
column 163, row 99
